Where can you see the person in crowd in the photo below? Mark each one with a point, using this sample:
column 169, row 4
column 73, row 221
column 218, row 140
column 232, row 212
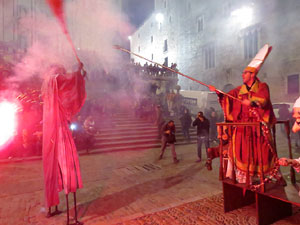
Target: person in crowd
column 202, row 133
column 168, row 137
column 89, row 126
column 186, row 121
column 296, row 128
column 170, row 101
column 214, row 152
column 213, row 127
column 178, row 99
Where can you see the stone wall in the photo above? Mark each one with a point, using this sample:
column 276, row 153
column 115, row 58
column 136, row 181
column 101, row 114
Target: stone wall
column 273, row 21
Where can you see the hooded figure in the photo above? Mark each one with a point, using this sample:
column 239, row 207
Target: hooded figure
column 63, row 95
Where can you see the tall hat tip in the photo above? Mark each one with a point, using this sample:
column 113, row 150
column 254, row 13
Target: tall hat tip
column 256, row 63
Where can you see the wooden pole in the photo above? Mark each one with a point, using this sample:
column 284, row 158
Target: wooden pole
column 174, row 71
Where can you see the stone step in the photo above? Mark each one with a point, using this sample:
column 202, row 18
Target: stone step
column 129, row 142
column 113, row 141
column 123, row 148
column 131, row 130
column 134, row 133
column 125, row 133
column 125, row 137
column 130, row 147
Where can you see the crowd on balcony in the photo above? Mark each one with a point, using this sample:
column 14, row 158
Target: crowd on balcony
column 155, row 70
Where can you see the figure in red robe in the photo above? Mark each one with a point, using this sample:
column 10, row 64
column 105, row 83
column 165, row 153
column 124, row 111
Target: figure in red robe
column 254, row 106
column 63, row 95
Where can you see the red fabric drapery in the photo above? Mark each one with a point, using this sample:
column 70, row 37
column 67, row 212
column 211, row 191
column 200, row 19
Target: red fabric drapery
column 63, row 97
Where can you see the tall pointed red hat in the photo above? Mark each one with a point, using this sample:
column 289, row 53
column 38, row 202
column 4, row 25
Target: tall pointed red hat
column 256, row 63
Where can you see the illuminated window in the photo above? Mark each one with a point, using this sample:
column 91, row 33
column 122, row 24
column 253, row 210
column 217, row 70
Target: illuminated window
column 293, row 84
column 165, row 45
column 209, row 56
column 151, row 39
column 200, row 24
column 250, row 44
column 165, row 4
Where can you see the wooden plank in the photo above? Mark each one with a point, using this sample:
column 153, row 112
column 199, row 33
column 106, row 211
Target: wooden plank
column 289, row 193
column 269, row 210
column 236, row 197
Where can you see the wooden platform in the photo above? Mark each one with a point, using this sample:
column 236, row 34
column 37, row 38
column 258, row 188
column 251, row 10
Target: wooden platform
column 272, row 205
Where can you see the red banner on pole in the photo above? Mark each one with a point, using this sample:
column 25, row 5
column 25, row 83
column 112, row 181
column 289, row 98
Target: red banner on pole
column 57, row 7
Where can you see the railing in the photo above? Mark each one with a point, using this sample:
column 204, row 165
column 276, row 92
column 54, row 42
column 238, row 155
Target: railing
column 256, row 126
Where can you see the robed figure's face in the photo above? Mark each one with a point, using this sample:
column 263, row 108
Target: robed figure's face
column 248, row 78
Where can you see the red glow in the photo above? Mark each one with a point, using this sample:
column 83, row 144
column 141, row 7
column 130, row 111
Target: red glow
column 7, row 122
column 57, row 7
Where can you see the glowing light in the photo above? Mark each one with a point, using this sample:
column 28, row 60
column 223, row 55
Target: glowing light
column 73, row 126
column 243, row 16
column 129, row 38
column 7, row 121
column 159, row 17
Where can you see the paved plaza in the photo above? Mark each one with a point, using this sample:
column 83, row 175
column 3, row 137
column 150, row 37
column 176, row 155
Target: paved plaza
column 118, row 186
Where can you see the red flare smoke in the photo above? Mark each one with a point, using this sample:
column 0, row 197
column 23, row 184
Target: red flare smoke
column 57, row 7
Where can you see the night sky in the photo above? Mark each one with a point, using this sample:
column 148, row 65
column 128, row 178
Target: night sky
column 139, row 10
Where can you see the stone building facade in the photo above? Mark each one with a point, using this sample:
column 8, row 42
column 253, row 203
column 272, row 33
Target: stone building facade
column 12, row 11
column 213, row 41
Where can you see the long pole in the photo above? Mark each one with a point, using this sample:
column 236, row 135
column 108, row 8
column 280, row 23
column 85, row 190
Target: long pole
column 174, row 71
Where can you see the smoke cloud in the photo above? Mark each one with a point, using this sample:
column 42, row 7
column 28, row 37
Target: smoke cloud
column 94, row 26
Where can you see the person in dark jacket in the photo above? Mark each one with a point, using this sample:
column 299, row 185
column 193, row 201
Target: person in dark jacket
column 186, row 121
column 202, row 133
column 168, row 136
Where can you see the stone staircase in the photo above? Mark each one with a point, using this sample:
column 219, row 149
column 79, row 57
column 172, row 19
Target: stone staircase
column 124, row 131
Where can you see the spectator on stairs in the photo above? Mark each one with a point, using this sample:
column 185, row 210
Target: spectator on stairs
column 186, row 121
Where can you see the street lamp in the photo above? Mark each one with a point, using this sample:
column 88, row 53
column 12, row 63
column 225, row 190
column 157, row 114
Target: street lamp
column 159, row 17
column 242, row 16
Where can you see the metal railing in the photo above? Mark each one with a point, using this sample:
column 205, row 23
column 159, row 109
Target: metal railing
column 257, row 127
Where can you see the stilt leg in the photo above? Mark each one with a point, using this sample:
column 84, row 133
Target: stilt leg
column 67, row 202
column 49, row 213
column 75, row 208
column 56, row 212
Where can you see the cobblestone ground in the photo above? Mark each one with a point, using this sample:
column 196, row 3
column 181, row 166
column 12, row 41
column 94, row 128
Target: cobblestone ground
column 117, row 186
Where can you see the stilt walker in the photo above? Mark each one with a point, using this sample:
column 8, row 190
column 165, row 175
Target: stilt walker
column 63, row 95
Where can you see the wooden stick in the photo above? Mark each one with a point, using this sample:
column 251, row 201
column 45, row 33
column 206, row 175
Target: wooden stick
column 174, row 71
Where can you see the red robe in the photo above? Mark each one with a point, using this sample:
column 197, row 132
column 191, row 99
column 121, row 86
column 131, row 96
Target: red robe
column 242, row 136
column 63, row 97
